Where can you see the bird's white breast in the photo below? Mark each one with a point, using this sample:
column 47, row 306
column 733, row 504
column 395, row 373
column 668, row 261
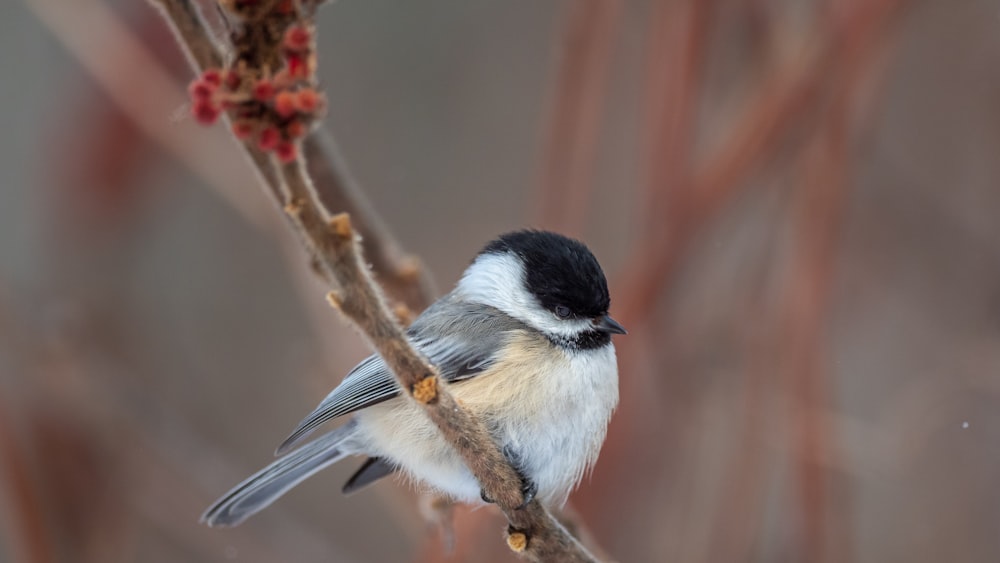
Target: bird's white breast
column 547, row 405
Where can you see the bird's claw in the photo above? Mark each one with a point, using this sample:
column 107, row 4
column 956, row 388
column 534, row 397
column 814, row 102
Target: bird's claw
column 528, row 487
column 528, row 491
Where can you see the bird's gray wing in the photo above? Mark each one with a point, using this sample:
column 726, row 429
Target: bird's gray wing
column 461, row 340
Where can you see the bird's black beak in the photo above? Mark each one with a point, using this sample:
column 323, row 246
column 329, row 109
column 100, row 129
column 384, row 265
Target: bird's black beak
column 607, row 324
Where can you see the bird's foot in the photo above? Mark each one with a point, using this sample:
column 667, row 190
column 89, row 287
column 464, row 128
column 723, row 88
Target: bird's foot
column 528, row 491
column 528, row 487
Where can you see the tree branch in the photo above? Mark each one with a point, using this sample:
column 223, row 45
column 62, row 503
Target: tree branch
column 337, row 255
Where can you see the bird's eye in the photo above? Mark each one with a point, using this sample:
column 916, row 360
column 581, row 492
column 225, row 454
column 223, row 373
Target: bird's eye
column 562, row 311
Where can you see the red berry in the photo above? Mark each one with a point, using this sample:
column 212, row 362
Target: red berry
column 295, row 129
column 212, row 76
column 269, row 138
column 297, row 38
column 284, row 103
column 287, row 151
column 232, row 79
column 297, row 67
column 205, row 112
column 200, row 89
column 243, row 129
column 263, row 90
column 307, row 100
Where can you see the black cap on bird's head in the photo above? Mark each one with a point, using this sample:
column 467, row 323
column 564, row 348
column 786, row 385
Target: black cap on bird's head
column 561, row 273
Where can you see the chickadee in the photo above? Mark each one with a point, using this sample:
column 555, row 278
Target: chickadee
column 525, row 341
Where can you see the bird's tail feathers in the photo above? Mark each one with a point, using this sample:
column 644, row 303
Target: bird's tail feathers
column 267, row 485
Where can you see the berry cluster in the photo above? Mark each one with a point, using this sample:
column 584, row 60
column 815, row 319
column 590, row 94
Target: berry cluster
column 272, row 110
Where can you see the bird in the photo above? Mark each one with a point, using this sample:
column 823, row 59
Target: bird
column 524, row 342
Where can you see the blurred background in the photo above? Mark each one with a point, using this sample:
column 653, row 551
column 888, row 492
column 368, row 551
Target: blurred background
column 796, row 203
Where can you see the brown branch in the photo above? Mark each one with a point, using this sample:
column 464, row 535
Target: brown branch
column 335, row 251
